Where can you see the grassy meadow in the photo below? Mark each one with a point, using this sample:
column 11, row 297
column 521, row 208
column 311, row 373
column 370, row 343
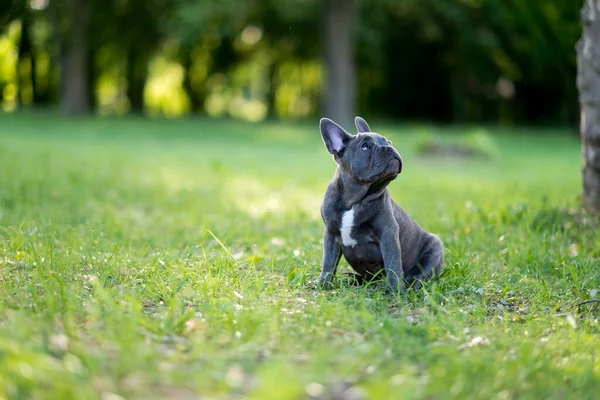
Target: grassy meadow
column 156, row 259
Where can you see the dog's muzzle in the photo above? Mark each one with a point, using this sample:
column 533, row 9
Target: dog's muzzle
column 395, row 164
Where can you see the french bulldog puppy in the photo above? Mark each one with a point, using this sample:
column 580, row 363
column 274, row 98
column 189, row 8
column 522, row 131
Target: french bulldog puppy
column 362, row 221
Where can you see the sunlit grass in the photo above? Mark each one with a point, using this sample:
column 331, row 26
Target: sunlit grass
column 175, row 259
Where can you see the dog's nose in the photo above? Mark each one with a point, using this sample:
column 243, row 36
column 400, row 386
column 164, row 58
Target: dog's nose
column 390, row 149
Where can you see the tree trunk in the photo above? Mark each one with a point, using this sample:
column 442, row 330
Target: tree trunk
column 271, row 95
column 49, row 89
column 137, row 72
column 26, row 53
column 588, row 83
column 74, row 60
column 340, row 69
column 92, row 77
column 187, row 63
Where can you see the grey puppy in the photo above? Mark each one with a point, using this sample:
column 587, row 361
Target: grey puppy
column 363, row 222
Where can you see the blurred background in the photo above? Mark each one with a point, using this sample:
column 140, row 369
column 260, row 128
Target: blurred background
column 504, row 62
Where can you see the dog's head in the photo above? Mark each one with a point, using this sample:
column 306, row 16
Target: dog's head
column 366, row 157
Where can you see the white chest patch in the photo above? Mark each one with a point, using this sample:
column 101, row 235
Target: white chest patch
column 346, row 229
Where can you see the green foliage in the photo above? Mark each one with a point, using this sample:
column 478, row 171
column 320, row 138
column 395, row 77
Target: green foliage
column 445, row 60
column 192, row 19
column 174, row 259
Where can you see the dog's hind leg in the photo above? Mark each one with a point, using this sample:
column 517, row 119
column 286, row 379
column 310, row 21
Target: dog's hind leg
column 430, row 264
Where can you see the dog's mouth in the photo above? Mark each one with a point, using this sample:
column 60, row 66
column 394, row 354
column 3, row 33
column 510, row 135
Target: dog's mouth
column 390, row 171
column 392, row 168
column 395, row 166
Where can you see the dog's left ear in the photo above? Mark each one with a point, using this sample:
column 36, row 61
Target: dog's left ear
column 334, row 136
column 361, row 125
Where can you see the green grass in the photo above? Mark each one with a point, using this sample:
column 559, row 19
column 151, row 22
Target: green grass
column 147, row 259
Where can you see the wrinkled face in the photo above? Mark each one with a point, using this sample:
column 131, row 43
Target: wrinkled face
column 370, row 157
column 367, row 157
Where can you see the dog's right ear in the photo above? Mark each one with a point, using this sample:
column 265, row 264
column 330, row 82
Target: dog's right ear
column 334, row 136
column 361, row 125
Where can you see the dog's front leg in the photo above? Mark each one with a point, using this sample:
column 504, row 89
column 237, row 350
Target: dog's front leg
column 392, row 260
column 331, row 258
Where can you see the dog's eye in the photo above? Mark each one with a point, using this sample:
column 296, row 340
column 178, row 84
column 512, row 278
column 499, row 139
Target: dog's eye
column 365, row 146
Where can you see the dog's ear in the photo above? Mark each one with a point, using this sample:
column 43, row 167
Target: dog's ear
column 334, row 136
column 361, row 125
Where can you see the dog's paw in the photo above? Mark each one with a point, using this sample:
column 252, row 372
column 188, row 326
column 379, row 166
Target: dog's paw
column 416, row 285
column 354, row 279
column 323, row 284
column 395, row 289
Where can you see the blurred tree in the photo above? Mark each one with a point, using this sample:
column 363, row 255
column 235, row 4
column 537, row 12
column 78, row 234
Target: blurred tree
column 588, row 57
column 25, row 77
column 139, row 34
column 292, row 32
column 230, row 37
column 73, row 28
column 206, row 28
column 510, row 61
column 11, row 10
column 26, row 62
column 340, row 63
column 486, row 60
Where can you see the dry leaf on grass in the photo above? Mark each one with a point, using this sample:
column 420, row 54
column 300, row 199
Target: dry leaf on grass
column 477, row 341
